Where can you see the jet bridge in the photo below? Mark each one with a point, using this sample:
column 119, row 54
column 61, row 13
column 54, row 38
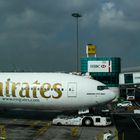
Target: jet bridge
column 130, row 85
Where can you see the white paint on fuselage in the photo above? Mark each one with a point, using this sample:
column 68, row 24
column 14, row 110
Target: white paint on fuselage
column 85, row 94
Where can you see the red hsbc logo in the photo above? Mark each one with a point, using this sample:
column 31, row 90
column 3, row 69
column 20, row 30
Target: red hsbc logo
column 103, row 66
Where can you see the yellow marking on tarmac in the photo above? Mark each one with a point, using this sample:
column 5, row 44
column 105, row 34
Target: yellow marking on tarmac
column 123, row 136
column 116, row 133
column 43, row 129
column 34, row 124
column 2, row 132
column 74, row 131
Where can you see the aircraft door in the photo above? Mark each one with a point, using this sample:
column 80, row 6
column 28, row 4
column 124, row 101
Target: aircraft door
column 72, row 89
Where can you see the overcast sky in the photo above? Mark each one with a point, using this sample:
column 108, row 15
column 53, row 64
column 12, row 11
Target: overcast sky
column 40, row 35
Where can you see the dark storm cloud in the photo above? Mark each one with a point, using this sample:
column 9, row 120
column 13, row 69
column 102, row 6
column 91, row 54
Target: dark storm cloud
column 41, row 35
column 121, row 23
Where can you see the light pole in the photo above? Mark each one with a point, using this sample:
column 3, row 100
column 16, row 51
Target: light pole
column 77, row 15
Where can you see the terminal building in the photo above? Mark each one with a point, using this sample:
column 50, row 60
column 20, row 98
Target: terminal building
column 108, row 71
column 103, row 69
column 129, row 84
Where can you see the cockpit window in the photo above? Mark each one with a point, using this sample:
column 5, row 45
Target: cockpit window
column 102, row 87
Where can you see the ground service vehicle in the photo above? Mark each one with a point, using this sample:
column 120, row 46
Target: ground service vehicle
column 84, row 120
column 124, row 104
column 137, row 111
column 67, row 120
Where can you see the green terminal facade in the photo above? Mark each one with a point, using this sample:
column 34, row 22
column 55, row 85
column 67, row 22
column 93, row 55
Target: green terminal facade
column 105, row 70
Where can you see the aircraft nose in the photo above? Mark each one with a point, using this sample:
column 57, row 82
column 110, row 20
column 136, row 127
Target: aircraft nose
column 112, row 95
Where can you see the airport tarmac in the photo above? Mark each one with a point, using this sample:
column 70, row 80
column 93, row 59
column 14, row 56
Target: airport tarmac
column 33, row 125
column 128, row 126
column 17, row 129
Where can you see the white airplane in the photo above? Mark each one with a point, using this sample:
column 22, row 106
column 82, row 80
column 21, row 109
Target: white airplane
column 51, row 91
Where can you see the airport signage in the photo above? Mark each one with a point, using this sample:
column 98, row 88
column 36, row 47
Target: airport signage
column 90, row 49
column 99, row 66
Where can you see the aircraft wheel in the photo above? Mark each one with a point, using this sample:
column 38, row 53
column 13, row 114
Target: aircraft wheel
column 87, row 122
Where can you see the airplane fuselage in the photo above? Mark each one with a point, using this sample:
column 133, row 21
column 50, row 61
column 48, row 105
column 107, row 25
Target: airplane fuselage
column 51, row 91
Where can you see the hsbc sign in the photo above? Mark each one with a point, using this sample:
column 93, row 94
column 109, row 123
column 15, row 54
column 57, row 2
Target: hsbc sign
column 99, row 66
